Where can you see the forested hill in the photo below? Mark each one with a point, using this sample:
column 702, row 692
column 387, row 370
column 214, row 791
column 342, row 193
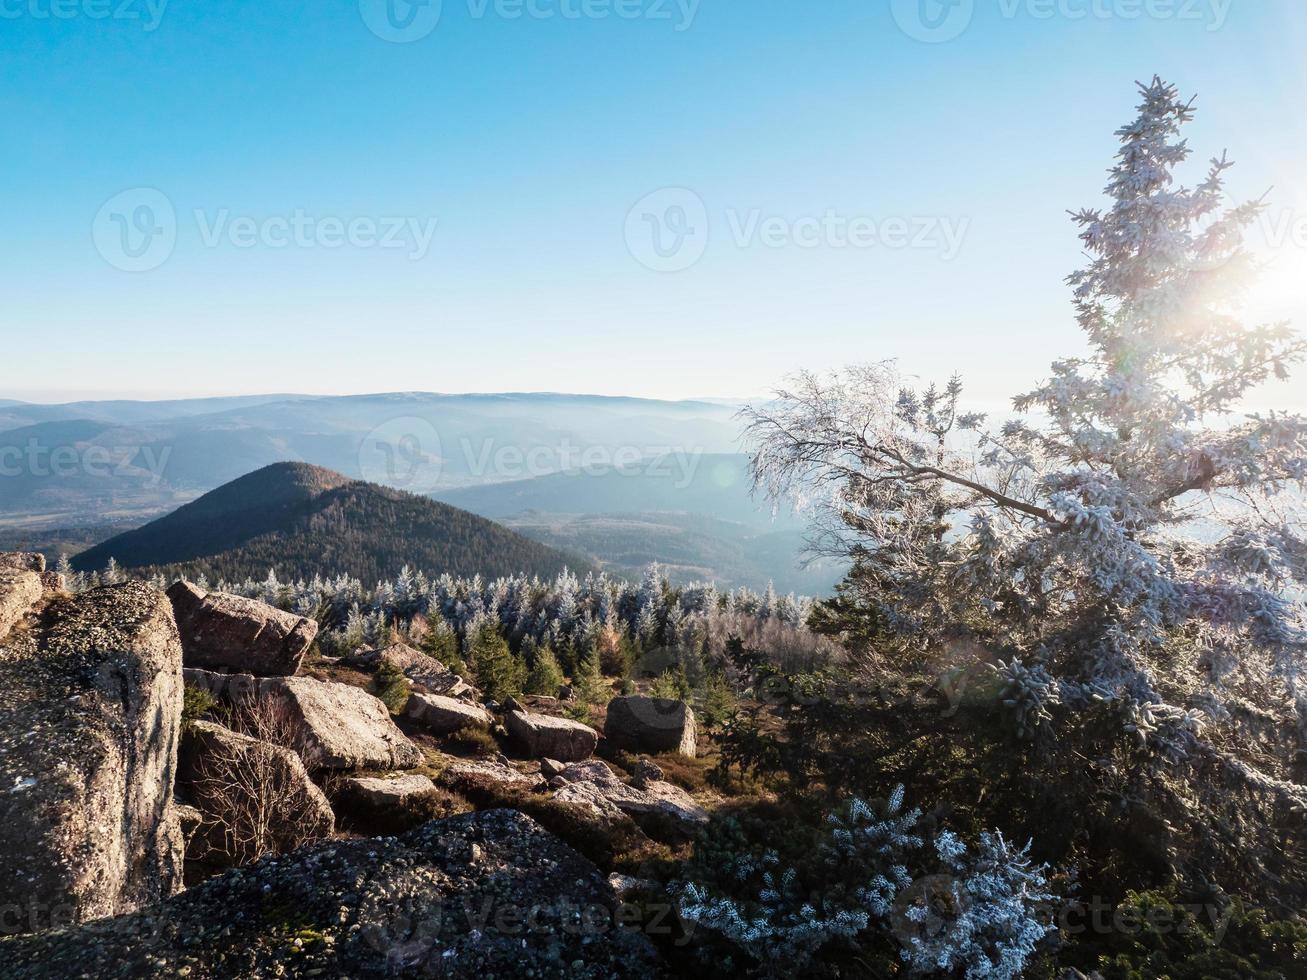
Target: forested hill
column 302, row 520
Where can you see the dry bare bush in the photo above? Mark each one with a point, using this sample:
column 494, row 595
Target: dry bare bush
column 254, row 791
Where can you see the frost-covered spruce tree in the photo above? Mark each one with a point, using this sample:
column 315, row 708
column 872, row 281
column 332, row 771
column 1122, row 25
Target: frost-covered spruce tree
column 1062, row 544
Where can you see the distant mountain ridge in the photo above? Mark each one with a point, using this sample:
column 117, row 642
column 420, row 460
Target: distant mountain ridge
column 19, row 413
column 712, row 484
column 303, row 520
column 693, row 515
column 163, row 454
column 661, row 481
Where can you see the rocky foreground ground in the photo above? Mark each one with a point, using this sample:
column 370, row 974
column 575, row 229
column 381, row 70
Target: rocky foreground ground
column 485, row 894
column 306, row 830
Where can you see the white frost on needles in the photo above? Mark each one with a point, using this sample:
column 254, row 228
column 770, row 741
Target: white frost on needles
column 1053, row 535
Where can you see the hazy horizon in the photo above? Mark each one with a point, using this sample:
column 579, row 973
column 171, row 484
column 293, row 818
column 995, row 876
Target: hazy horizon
column 73, row 396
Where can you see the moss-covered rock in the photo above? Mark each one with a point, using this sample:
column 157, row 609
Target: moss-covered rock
column 90, row 713
column 479, row 895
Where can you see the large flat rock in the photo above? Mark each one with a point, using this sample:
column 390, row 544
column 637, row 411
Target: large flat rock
column 388, row 791
column 548, row 737
column 472, row 775
column 90, row 712
column 228, row 632
column 661, row 809
column 479, row 895
column 441, row 715
column 34, row 562
column 643, row 724
column 376, row 806
column 426, row 673
column 330, row 725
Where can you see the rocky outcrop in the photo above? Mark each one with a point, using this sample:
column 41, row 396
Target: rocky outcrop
column 330, row 725
column 190, row 819
column 627, row 887
column 661, row 809
column 391, row 804
column 470, row 775
column 226, row 688
column 644, row 772
column 90, row 712
column 19, row 594
column 342, row 727
column 255, row 797
column 22, row 561
column 642, row 724
column 547, row 737
column 549, row 768
column 29, row 561
column 485, row 894
column 387, row 791
column 54, row 582
column 441, row 716
column 426, row 673
column 227, row 632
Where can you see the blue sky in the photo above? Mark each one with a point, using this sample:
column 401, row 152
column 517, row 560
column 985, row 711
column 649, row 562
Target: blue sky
column 530, row 133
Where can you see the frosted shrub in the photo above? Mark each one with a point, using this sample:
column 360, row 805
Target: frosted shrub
column 1028, row 692
column 864, row 878
column 981, row 917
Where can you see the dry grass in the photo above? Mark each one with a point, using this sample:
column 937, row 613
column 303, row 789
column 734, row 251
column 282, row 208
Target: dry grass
column 340, row 675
